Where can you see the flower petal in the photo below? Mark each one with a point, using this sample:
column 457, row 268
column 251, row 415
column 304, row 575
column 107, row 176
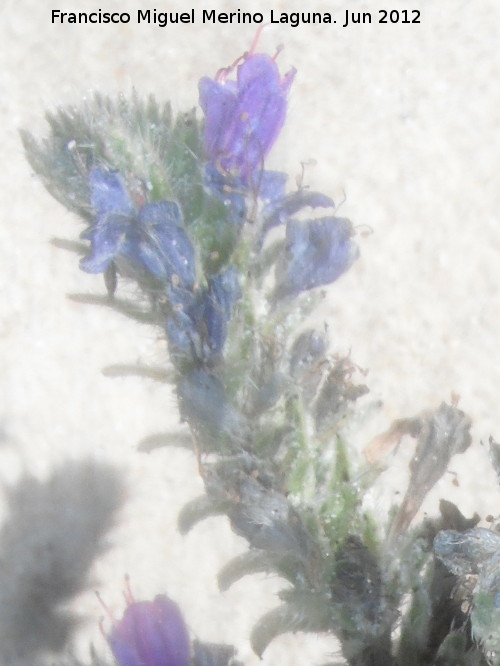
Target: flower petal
column 107, row 241
column 318, row 252
column 217, row 101
column 244, row 118
column 151, row 633
column 108, row 193
column 223, row 292
column 166, row 250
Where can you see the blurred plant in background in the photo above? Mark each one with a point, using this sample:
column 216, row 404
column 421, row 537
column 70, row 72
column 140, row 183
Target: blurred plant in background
column 229, row 258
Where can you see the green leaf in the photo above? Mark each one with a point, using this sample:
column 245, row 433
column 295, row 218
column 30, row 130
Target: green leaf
column 253, row 561
column 260, row 561
column 304, row 611
column 197, row 510
column 180, row 439
column 485, row 620
column 125, row 307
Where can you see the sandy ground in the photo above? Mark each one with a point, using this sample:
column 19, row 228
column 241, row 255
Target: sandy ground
column 403, row 121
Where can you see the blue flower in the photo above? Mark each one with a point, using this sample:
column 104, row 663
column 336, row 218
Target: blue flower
column 150, row 239
column 223, row 292
column 317, row 253
column 244, row 117
column 151, row 633
column 197, row 325
column 183, row 325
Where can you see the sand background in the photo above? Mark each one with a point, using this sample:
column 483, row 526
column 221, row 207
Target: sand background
column 401, row 119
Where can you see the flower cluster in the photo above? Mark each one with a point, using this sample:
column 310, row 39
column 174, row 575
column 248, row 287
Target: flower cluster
column 242, row 121
column 193, row 230
column 225, row 256
column 220, row 249
column 155, row 244
column 150, row 242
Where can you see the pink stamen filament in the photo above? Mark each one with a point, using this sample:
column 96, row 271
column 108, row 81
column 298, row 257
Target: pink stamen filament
column 129, row 597
column 108, row 612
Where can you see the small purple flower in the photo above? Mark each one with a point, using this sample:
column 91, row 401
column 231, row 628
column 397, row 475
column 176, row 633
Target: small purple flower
column 151, row 239
column 317, row 253
column 244, row 117
column 151, row 633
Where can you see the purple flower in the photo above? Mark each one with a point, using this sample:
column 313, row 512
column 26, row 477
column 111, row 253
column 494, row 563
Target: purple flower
column 244, row 117
column 317, row 253
column 150, row 239
column 151, row 633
